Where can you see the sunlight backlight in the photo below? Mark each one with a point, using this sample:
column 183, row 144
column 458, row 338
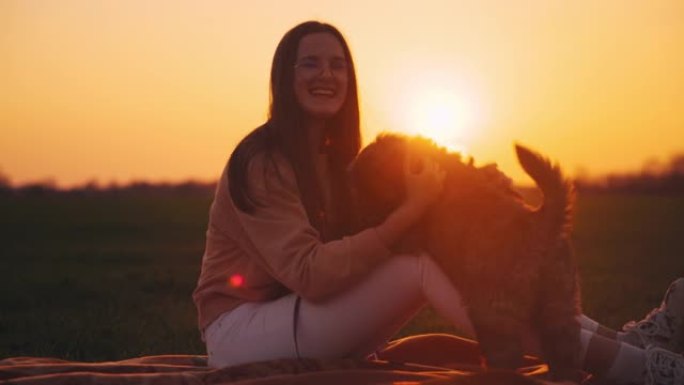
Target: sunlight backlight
column 434, row 103
column 442, row 116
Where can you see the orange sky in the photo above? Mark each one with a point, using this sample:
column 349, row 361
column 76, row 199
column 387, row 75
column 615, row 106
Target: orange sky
column 121, row 90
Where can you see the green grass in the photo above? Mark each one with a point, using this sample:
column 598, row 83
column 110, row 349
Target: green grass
column 95, row 278
column 101, row 277
column 630, row 248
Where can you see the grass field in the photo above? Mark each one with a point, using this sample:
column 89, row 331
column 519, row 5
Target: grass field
column 100, row 277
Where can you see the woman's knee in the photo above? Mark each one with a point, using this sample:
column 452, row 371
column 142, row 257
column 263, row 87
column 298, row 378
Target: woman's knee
column 367, row 314
column 418, row 273
column 399, row 270
column 410, row 266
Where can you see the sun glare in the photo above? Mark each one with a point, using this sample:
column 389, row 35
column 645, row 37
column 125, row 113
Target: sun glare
column 440, row 115
column 435, row 105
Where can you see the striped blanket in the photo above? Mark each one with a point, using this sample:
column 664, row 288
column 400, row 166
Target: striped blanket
column 192, row 370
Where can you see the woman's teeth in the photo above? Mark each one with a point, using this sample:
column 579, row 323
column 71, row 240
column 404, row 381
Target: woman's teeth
column 322, row 92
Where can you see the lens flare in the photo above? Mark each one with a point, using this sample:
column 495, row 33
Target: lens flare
column 236, row 280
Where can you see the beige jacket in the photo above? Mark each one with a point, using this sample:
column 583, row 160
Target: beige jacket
column 275, row 250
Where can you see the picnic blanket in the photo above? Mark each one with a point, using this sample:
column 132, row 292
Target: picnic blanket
column 193, row 370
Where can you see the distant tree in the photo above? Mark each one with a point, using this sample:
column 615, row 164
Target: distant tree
column 113, row 185
column 677, row 164
column 653, row 167
column 42, row 187
column 90, row 186
column 5, row 183
column 582, row 174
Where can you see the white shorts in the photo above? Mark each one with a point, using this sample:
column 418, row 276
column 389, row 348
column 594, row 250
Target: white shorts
column 354, row 323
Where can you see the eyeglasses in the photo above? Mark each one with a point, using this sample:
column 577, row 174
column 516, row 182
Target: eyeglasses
column 311, row 67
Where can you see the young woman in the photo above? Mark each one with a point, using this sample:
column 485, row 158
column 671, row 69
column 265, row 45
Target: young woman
column 283, row 276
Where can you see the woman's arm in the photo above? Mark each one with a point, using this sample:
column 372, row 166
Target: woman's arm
column 280, row 237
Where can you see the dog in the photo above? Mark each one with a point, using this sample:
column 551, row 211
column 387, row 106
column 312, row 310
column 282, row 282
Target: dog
column 512, row 263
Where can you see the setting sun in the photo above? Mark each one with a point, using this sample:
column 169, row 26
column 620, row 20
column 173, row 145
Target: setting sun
column 442, row 116
column 436, row 104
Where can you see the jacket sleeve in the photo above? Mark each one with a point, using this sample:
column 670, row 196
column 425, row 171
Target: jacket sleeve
column 290, row 248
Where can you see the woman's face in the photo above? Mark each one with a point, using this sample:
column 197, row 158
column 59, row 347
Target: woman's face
column 321, row 75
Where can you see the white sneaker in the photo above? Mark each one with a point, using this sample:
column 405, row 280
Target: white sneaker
column 663, row 367
column 663, row 326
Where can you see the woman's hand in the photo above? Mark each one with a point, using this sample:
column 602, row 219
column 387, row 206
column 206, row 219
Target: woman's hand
column 424, row 181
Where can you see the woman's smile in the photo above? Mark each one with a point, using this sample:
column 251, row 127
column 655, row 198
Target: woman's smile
column 321, row 77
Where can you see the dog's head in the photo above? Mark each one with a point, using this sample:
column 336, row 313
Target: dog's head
column 377, row 179
column 377, row 174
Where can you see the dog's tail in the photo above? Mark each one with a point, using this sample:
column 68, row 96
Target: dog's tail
column 559, row 193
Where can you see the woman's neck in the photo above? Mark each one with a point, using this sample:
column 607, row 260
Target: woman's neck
column 316, row 129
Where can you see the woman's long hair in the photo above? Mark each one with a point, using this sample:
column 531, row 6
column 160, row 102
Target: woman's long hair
column 284, row 132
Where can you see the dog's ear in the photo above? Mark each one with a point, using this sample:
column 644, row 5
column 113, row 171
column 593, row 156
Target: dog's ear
column 377, row 175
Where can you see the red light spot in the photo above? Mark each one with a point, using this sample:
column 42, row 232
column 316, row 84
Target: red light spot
column 236, row 280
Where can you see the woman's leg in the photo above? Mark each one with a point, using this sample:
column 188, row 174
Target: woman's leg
column 592, row 326
column 663, row 326
column 363, row 318
column 353, row 323
column 254, row 331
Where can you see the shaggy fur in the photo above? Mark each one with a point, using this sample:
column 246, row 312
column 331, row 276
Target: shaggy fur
column 512, row 263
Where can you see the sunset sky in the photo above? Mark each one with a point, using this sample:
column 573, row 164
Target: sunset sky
column 122, row 90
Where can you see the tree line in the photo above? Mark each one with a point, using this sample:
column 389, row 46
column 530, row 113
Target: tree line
column 654, row 178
